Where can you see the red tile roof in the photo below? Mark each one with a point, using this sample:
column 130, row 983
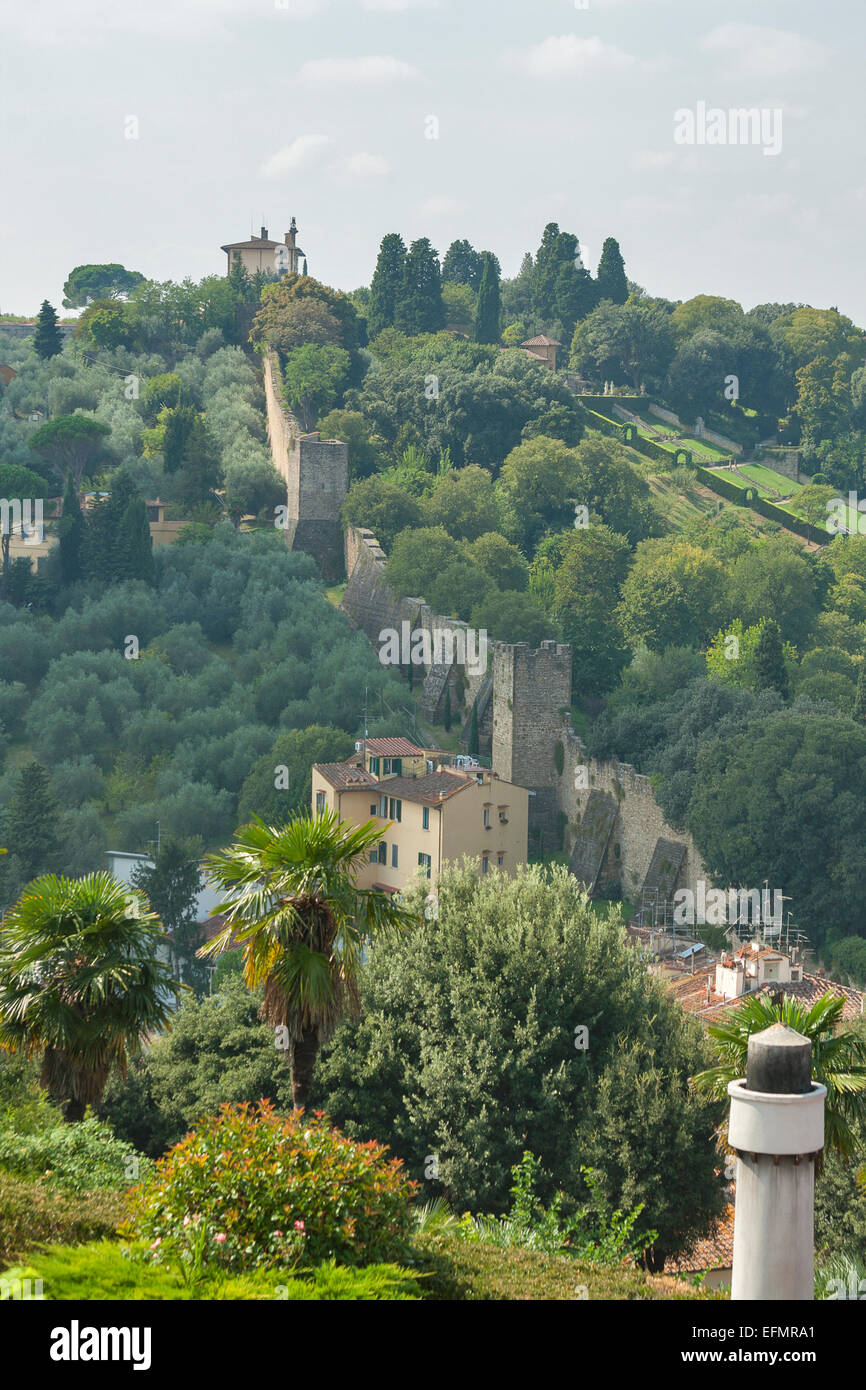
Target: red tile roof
column 715, row 1251
column 393, row 748
column 431, row 790
column 346, row 776
column 541, row 341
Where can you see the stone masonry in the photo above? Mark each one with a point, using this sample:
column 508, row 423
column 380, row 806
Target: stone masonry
column 316, row 472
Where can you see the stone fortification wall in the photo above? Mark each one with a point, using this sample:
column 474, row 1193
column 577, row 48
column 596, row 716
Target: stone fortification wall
column 316, row 472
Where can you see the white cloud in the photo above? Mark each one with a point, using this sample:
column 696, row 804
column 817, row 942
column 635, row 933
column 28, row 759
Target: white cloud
column 369, row 71
column 571, row 56
column 298, row 155
column 367, row 166
column 757, row 50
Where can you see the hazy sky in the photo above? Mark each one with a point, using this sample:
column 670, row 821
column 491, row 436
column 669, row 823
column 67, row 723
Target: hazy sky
column 249, row 111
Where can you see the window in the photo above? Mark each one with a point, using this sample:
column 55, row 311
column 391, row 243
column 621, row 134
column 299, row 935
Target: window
column 486, row 817
column 374, row 809
column 320, row 803
column 374, row 858
column 383, row 852
column 393, row 856
column 396, row 809
column 392, row 767
column 425, row 818
column 374, row 766
column 424, row 863
column 503, row 815
column 500, row 860
column 383, row 807
column 484, row 864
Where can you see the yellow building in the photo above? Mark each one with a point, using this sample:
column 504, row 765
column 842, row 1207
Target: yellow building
column 261, row 253
column 429, row 808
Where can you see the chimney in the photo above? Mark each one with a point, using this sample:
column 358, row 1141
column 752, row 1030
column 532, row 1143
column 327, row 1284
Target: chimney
column 776, row 1128
column 264, row 234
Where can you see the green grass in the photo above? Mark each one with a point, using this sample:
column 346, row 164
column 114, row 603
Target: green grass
column 112, row 1270
column 770, row 479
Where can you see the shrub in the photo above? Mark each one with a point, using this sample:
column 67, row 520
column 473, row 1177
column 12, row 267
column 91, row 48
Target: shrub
column 257, row 1179
column 111, row 1270
column 33, row 1213
column 82, row 1157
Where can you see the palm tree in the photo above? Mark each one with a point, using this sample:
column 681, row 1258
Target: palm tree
column 295, row 908
column 838, row 1059
column 81, row 982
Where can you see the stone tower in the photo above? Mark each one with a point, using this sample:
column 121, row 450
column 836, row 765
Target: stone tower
column 531, row 716
column 316, row 472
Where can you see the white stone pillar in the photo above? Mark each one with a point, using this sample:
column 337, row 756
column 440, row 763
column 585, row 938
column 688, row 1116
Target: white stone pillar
column 777, row 1130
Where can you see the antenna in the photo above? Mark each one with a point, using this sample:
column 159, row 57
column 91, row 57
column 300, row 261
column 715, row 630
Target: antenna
column 365, row 727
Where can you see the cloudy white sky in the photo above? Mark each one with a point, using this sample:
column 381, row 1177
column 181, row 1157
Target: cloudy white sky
column 250, row 111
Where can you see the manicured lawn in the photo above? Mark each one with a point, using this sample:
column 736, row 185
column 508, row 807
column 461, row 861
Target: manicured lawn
column 769, row 478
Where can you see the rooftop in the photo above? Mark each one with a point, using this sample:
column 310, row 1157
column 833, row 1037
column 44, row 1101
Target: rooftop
column 345, row 776
column 393, row 748
column 541, row 341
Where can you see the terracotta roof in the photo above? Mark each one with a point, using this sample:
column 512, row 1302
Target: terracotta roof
column 393, row 748
column 255, row 243
column 715, row 1251
column 346, row 776
column 536, row 356
column 541, row 341
column 385, row 887
column 432, row 790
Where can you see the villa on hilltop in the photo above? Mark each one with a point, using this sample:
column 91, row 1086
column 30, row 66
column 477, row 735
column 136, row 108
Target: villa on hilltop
column 260, row 253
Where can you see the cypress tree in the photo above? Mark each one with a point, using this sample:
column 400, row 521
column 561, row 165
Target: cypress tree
column 769, row 659
column 387, row 284
column 473, row 731
column 31, row 822
column 201, row 473
column 463, row 265
column 72, row 534
column 420, row 309
column 134, row 543
column 447, row 715
column 610, row 277
column 860, row 697
column 178, row 428
column 487, row 310
column 47, row 340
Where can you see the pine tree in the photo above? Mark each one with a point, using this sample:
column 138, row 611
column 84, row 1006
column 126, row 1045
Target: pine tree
column 473, row 731
column 387, row 284
column 420, row 309
column 31, row 822
column 487, row 311
column 610, row 277
column 240, row 282
column 134, row 542
column 172, row 885
column 47, row 340
column 860, row 697
column 102, row 553
column 447, row 715
column 463, row 265
column 72, row 534
column 201, row 473
column 769, row 666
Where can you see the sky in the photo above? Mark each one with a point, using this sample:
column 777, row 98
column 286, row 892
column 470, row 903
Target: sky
column 153, row 133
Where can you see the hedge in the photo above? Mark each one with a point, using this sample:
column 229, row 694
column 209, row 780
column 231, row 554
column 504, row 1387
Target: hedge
column 766, row 509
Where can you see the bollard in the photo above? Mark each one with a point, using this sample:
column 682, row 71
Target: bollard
column 776, row 1128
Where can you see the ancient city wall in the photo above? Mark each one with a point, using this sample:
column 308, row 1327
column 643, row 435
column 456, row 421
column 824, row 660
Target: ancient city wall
column 639, row 825
column 372, row 607
column 316, row 472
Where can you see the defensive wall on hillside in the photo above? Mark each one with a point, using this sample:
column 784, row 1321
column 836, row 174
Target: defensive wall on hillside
column 604, row 814
column 373, row 608
column 316, row 472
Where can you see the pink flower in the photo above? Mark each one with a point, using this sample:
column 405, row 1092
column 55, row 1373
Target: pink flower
column 157, row 1243
column 299, row 1225
column 220, row 1238
column 278, row 1233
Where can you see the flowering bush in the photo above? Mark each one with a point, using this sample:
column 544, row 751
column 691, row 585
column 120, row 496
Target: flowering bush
column 260, row 1189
